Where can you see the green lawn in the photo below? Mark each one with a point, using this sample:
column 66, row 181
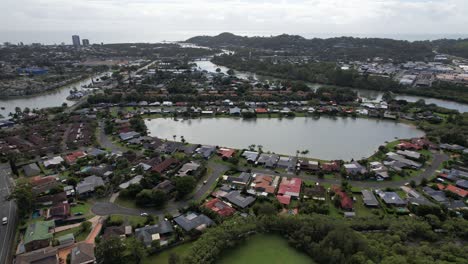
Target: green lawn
column 82, row 207
column 265, row 248
column 129, row 219
column 163, row 257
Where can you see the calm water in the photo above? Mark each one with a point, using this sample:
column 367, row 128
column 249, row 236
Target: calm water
column 368, row 94
column 50, row 99
column 325, row 138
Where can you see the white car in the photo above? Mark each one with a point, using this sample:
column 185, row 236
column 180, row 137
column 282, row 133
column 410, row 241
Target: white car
column 144, row 214
column 4, row 220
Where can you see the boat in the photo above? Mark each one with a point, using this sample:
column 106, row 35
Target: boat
column 3, row 108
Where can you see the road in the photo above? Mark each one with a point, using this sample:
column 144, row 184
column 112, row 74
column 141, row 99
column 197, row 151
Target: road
column 7, row 209
column 108, row 208
column 106, row 142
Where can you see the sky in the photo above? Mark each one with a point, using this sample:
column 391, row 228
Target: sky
column 111, row 21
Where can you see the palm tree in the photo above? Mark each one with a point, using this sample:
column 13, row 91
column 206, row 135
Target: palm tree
column 174, row 136
column 297, row 153
column 260, row 148
column 305, row 152
column 182, row 139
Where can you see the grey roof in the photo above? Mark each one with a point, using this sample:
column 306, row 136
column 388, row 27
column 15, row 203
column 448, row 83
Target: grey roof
column 243, row 178
column 391, row 198
column 31, row 170
column 269, row 160
column 134, row 180
column 462, row 184
column 96, row 152
column 88, row 184
column 46, row 255
column 287, row 162
column 145, row 234
column 250, row 155
column 187, row 168
column 369, row 198
column 192, row 220
column 82, row 253
column 407, row 162
column 439, row 196
column 206, row 151
column 238, row 199
column 165, row 186
column 128, row 135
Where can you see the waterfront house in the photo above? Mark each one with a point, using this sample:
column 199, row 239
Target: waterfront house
column 354, row 168
column 268, row 160
column 288, row 163
column 226, row 153
column 206, row 151
column 250, row 156
column 309, row 165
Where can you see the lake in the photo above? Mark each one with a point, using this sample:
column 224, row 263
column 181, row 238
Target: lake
column 325, row 138
column 49, row 99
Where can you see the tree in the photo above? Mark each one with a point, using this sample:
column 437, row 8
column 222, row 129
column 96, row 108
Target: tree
column 111, row 251
column 230, row 72
column 174, row 258
column 184, row 186
column 22, row 194
column 159, row 198
column 136, row 249
column 144, row 198
column 218, row 70
column 85, row 227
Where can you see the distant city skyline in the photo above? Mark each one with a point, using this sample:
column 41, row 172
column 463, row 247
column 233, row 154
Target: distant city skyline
column 112, row 21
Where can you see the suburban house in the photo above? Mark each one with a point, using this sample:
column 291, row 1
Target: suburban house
column 157, row 232
column 369, row 198
column 264, row 184
column 239, row 200
column 43, row 184
column 268, row 160
column 117, row 231
column 58, row 211
column 42, row 256
column 415, row 198
column 316, row 192
column 250, row 156
column 38, row 235
column 94, row 152
column 391, row 198
column 135, row 180
column 288, row 163
column 240, row 181
column 289, row 189
column 333, row 166
column 72, row 157
column 31, row 170
column 379, row 169
column 220, row 207
column 82, row 253
column 51, row 198
column 226, row 153
column 398, row 162
column 457, row 191
column 437, row 195
column 191, row 220
column 409, row 154
column 128, row 135
column 88, row 185
column 166, row 186
column 404, row 145
column 53, row 162
column 354, row 168
column 165, row 165
column 346, row 203
column 188, row 169
column 309, row 165
column 206, row 151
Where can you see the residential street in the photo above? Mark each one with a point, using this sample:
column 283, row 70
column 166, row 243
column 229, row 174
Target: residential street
column 106, row 142
column 7, row 209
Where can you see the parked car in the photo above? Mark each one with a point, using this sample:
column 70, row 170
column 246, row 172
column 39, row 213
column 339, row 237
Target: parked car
column 4, row 220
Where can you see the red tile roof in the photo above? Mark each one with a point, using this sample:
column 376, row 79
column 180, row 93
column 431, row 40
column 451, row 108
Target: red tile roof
column 284, row 199
column 261, row 110
column 346, row 201
column 163, row 166
column 72, row 157
column 39, row 180
column 220, row 207
column 264, row 183
column 331, row 166
column 458, row 191
column 290, row 187
column 407, row 145
column 226, row 153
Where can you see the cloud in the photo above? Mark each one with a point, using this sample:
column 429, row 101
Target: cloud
column 151, row 20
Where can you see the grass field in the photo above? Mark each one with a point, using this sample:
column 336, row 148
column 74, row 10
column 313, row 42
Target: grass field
column 265, row 248
column 163, row 257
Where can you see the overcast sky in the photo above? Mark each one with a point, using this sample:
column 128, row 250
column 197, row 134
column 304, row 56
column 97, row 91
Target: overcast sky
column 54, row 21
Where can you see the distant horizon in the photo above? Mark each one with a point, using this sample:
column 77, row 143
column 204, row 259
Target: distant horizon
column 51, row 38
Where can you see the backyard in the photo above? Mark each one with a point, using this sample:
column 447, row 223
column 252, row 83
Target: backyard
column 265, row 248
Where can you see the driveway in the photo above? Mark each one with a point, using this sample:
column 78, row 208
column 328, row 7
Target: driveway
column 106, row 142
